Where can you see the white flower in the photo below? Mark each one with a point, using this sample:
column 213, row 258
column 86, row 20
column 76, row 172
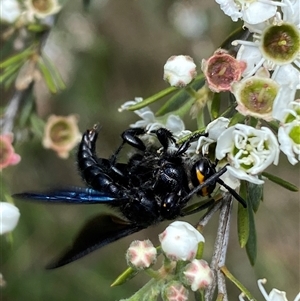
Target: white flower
column 214, row 130
column 198, row 274
column 150, row 122
column 10, row 10
column 252, row 12
column 276, row 46
column 255, row 95
column 249, row 151
column 275, row 294
column 180, row 241
column 179, row 70
column 289, row 132
column 9, row 217
column 41, row 9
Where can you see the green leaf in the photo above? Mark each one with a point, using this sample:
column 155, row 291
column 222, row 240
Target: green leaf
column 251, row 246
column 238, row 284
column 16, row 58
column 26, row 111
column 243, row 218
column 215, row 106
column 243, row 225
column 253, row 122
column 128, row 274
column 10, row 71
column 47, row 76
column 37, row 125
column 237, row 118
column 54, row 71
column 281, row 182
column 255, row 194
column 152, row 98
column 179, row 99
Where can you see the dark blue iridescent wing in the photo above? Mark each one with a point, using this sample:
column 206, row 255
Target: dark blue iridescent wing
column 74, row 195
column 96, row 233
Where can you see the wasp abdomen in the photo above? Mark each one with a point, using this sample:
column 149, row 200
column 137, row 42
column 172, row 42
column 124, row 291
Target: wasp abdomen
column 91, row 167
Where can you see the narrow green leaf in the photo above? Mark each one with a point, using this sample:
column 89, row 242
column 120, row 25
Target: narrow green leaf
column 153, row 98
column 215, row 106
column 184, row 109
column 15, row 58
column 47, row 76
column 237, row 118
column 37, row 125
column 124, row 277
column 251, row 246
column 26, row 111
column 281, row 182
column 10, row 70
column 243, row 218
column 179, row 99
column 238, row 284
column 54, row 71
column 255, row 194
column 243, row 225
column 253, row 122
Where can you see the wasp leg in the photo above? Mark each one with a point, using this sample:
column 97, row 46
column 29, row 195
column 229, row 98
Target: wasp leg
column 164, row 136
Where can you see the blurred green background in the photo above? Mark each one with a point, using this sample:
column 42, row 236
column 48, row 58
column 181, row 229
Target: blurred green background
column 110, row 53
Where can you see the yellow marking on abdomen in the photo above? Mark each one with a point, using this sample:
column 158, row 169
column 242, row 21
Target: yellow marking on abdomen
column 200, row 178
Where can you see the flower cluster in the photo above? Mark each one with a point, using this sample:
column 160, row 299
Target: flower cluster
column 28, row 11
column 181, row 269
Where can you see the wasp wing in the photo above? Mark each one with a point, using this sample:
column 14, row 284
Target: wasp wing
column 74, row 195
column 96, row 233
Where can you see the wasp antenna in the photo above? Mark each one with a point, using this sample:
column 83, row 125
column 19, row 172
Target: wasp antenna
column 233, row 193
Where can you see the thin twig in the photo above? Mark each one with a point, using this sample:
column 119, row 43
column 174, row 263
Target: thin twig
column 7, row 122
column 12, row 109
column 220, row 248
column 208, row 215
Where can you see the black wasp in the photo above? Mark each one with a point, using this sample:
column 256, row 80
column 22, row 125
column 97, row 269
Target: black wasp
column 154, row 185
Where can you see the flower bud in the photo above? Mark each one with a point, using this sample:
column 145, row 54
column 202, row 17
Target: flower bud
column 198, row 274
column 7, row 153
column 179, row 70
column 180, row 241
column 141, row 254
column 175, row 291
column 10, row 215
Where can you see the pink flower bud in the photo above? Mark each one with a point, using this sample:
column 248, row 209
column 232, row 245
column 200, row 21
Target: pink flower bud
column 7, row 153
column 180, row 241
column 141, row 254
column 175, row 291
column 198, row 274
column 179, row 70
